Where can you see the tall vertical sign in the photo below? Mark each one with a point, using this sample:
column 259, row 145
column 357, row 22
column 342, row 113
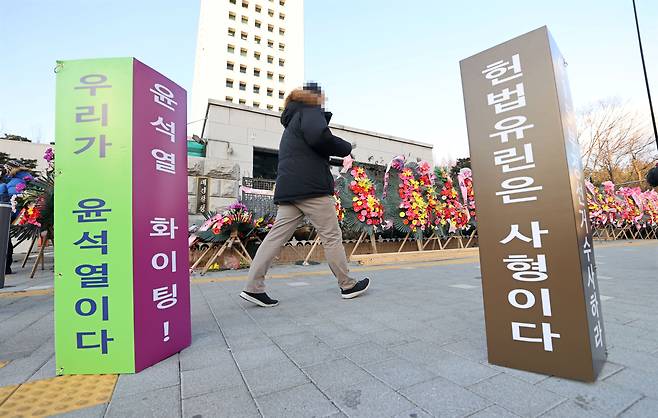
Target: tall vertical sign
column 121, row 266
column 541, row 298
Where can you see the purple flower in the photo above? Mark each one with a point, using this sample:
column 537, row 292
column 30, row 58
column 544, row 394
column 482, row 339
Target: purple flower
column 20, row 187
column 398, row 162
column 49, row 155
column 237, row 206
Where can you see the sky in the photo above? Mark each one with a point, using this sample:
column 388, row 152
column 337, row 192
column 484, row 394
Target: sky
column 387, row 66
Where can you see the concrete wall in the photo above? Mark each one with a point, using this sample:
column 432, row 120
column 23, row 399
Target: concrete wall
column 34, row 151
column 233, row 131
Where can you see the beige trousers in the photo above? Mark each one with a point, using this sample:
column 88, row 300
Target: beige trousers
column 321, row 211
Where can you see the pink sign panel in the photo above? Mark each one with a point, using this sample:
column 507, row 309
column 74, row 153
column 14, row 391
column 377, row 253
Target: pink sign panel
column 160, row 252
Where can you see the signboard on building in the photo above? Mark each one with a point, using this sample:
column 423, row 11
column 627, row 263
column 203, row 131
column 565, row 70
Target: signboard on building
column 541, row 296
column 122, row 300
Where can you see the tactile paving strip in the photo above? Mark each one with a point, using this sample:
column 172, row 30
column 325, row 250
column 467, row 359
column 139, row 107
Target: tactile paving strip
column 24, row 293
column 5, row 392
column 43, row 398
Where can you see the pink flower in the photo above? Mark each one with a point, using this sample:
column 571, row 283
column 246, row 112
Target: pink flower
column 20, row 187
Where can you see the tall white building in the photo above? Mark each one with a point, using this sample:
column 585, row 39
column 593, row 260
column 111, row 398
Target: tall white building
column 248, row 52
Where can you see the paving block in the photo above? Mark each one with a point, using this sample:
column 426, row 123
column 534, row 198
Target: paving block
column 312, row 353
column 529, row 377
column 46, row 371
column 342, row 338
column 161, row 375
column 470, row 349
column 605, row 397
column 390, row 338
column 291, row 341
column 441, row 397
column 516, row 395
column 209, row 379
column 97, row 411
column 158, row 403
column 412, row 413
column 636, row 380
column 645, row 408
column 253, row 358
column 230, row 403
column 245, row 342
column 573, row 408
column 336, row 374
column 301, row 401
column 458, row 369
column 369, row 398
column 367, row 352
column 201, row 356
column 399, row 373
column 493, row 411
column 274, row 378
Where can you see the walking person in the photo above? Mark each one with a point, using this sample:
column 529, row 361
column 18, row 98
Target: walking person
column 305, row 187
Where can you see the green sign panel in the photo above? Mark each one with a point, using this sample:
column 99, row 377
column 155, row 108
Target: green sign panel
column 93, row 207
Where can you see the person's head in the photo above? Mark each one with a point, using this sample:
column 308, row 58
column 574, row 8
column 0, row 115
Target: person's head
column 652, row 177
column 311, row 94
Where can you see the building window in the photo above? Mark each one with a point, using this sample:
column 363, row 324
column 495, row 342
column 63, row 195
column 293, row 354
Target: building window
column 282, row 31
column 282, row 47
column 257, row 72
column 243, row 69
column 243, row 86
column 270, row 12
column 232, row 1
column 270, row 92
column 231, row 15
column 256, row 89
column 257, row 55
column 229, row 65
column 229, row 99
column 231, row 32
column 281, row 94
column 282, row 78
column 245, row 4
column 280, row 108
column 243, row 52
column 229, row 83
column 270, row 59
column 258, row 23
column 230, row 48
column 282, row 2
column 244, row 36
column 245, row 19
column 242, row 101
column 270, row 75
column 270, row 28
column 257, row 39
column 282, row 16
column 270, row 107
column 256, row 104
column 258, row 8
column 270, row 43
column 282, row 62
column 265, row 163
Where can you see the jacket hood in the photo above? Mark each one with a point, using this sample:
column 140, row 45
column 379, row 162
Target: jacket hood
column 289, row 112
